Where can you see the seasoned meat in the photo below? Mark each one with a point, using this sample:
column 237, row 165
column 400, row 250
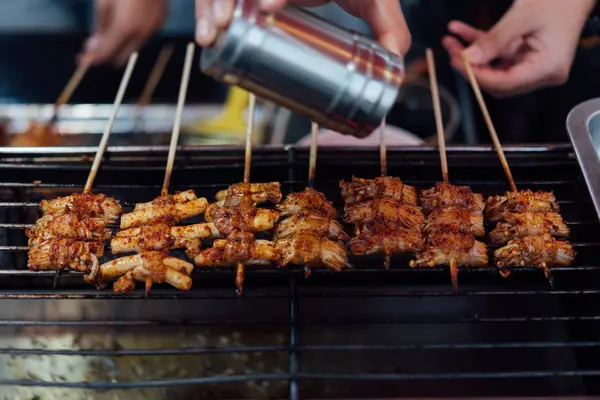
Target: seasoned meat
column 536, row 251
column 380, row 240
column 443, row 247
column 149, row 267
column 162, row 237
column 320, row 226
column 307, row 202
column 445, row 195
column 359, row 190
column 385, row 209
column 238, row 247
column 71, row 254
column 454, row 219
column 83, row 205
column 243, row 217
column 313, row 251
column 165, row 209
column 497, row 207
column 518, row 225
column 179, row 197
column 68, row 226
column 256, row 192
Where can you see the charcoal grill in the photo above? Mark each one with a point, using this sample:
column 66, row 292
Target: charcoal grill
column 363, row 333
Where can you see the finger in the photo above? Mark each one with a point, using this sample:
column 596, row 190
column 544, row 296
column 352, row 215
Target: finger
column 206, row 31
column 466, row 32
column 133, row 44
column 272, row 5
column 104, row 10
column 453, row 46
column 222, row 11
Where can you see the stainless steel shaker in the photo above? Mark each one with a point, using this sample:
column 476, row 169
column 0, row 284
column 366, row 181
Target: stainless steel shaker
column 342, row 80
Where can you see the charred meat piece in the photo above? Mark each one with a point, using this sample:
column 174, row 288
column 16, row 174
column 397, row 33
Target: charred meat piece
column 518, row 225
column 84, row 205
column 71, row 254
column 442, row 248
column 162, row 237
column 313, row 251
column 238, row 248
column 180, row 197
column 244, row 217
column 380, row 240
column 497, row 207
column 149, row 267
column 320, row 226
column 385, row 209
column 68, row 226
column 359, row 190
column 170, row 210
column 445, row 195
column 310, row 202
column 537, row 251
column 454, row 220
column 257, row 193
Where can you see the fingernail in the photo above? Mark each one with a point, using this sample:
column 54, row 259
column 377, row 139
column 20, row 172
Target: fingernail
column 205, row 31
column 391, row 43
column 92, row 44
column 219, row 12
column 474, row 54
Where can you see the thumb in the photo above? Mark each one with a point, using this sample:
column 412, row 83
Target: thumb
column 497, row 40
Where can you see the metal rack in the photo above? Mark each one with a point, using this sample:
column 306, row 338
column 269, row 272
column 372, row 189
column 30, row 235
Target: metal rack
column 366, row 332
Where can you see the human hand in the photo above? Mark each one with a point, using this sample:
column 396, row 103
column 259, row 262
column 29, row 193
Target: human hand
column 383, row 16
column 122, row 27
column 531, row 47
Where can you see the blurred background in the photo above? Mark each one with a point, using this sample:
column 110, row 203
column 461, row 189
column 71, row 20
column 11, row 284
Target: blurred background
column 40, row 39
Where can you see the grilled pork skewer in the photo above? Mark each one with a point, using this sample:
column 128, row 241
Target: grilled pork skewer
column 68, row 226
column 258, row 193
column 244, row 217
column 161, row 237
column 498, row 207
column 309, row 202
column 454, row 220
column 385, row 209
column 359, row 190
column 168, row 209
column 312, row 250
column 538, row 251
column 320, row 226
column 445, row 195
column 58, row 254
column 91, row 205
column 385, row 241
column 519, row 225
column 180, row 197
column 149, row 267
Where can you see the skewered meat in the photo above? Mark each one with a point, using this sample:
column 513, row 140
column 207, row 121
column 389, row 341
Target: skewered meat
column 244, row 217
column 313, row 251
column 519, row 202
column 238, row 247
column 442, row 248
column 256, row 192
column 538, row 251
column 58, row 254
column 454, row 220
column 322, row 227
column 380, row 240
column 149, row 267
column 445, row 195
column 359, row 190
column 385, row 210
column 83, row 205
column 180, row 197
column 162, row 237
column 68, row 226
column 309, row 201
column 169, row 209
column 518, row 225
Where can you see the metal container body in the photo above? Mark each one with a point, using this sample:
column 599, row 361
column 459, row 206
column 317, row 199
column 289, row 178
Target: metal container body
column 342, row 80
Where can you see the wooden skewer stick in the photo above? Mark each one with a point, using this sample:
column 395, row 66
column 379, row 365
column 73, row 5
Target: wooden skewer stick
column 69, row 89
column 185, row 80
column 155, row 75
column 312, row 163
column 249, row 133
column 437, row 109
column 111, row 121
column 382, row 148
column 488, row 121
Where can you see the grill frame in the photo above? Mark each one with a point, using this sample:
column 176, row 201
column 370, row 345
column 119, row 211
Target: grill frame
column 287, row 291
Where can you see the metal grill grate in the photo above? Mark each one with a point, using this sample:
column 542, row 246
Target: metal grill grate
column 367, row 332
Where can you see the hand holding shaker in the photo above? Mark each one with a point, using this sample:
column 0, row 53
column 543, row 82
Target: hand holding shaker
column 342, row 80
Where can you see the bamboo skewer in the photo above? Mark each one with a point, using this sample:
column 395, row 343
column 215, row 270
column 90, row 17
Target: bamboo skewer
column 185, row 80
column 104, row 141
column 249, row 133
column 382, row 148
column 70, row 87
column 439, row 125
column 488, row 121
column 312, row 163
column 155, row 76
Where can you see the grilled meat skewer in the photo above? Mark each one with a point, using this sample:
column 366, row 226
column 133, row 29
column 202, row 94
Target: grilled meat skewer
column 381, row 240
column 162, row 237
column 497, row 207
column 320, row 226
column 385, row 209
column 454, row 220
column 83, row 205
column 313, row 251
column 180, row 197
column 164, row 210
column 257, row 193
column 359, row 190
column 244, row 217
column 443, row 247
column 309, row 202
column 68, row 226
column 538, row 251
column 519, row 225
column 445, row 195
